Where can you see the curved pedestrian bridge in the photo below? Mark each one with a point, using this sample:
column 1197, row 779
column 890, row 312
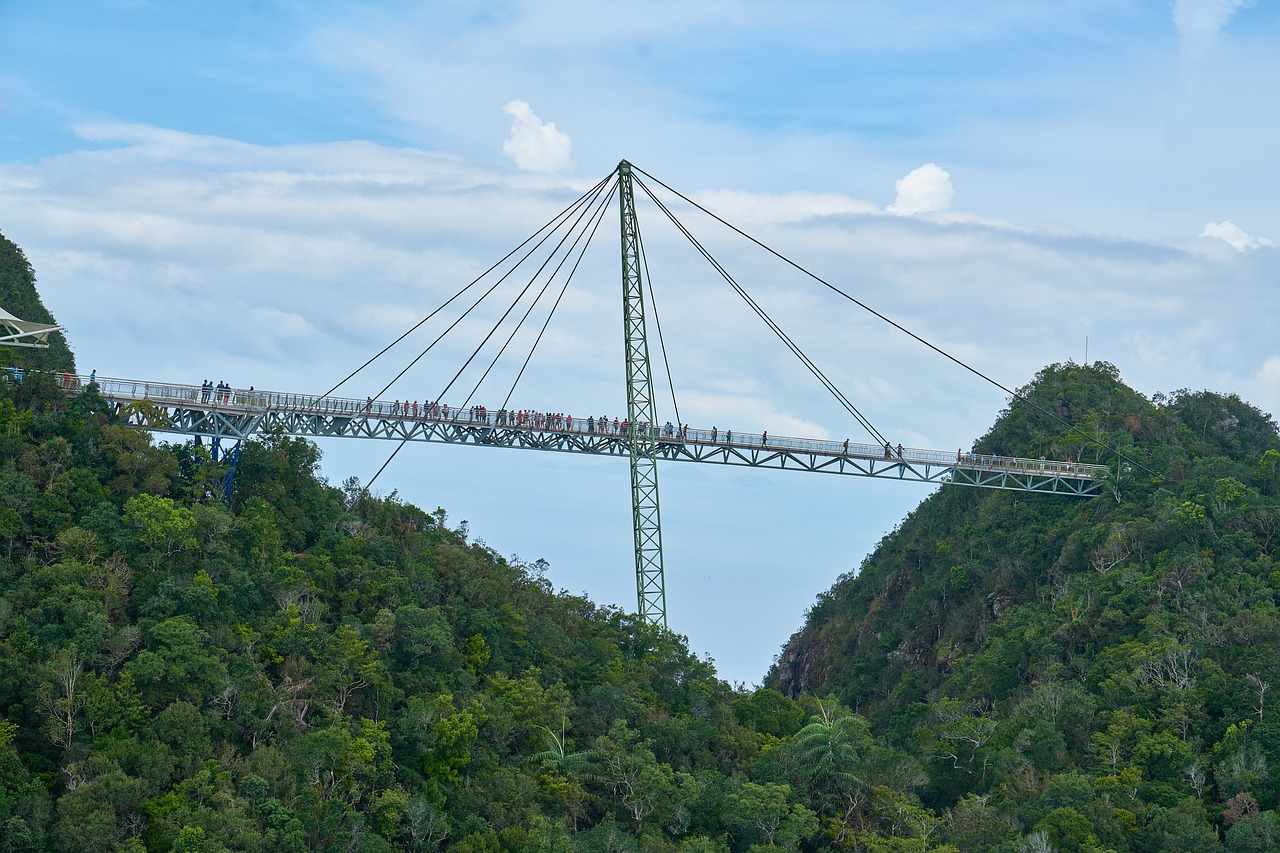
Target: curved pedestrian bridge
column 236, row 413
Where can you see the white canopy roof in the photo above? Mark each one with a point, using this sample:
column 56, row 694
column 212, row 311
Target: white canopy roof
column 22, row 333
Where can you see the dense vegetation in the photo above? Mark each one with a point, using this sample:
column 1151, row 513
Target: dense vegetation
column 309, row 669
column 1083, row 675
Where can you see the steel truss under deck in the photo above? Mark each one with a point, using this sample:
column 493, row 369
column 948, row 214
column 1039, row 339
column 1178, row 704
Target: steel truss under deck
column 179, row 409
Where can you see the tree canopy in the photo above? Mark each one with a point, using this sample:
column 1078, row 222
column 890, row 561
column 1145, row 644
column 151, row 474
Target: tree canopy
column 1121, row 648
column 312, row 668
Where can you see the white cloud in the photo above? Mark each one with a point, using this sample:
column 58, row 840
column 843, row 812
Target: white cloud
column 1042, row 144
column 923, row 190
column 1200, row 21
column 1235, row 236
column 747, row 412
column 746, row 208
column 535, row 145
column 1271, row 371
column 1264, row 391
column 1270, row 375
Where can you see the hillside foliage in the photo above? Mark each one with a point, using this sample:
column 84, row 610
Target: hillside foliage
column 1084, row 675
column 313, row 669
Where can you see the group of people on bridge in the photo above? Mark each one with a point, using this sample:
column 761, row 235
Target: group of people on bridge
column 66, row 379
column 524, row 418
column 220, row 393
column 223, row 393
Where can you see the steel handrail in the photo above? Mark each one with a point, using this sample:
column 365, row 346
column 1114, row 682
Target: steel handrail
column 261, row 401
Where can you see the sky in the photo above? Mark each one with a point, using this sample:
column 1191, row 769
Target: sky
column 266, row 192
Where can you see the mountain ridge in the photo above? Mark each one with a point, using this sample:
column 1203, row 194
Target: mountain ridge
column 1151, row 610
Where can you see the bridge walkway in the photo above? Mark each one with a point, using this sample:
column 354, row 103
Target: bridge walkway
column 241, row 413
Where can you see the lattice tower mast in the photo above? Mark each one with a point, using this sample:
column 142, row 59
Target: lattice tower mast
column 641, row 416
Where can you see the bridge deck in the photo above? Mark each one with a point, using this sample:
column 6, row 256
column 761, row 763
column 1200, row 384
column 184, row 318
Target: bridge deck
column 239, row 413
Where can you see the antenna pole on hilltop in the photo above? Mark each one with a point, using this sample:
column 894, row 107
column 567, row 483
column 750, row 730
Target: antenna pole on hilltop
column 641, row 416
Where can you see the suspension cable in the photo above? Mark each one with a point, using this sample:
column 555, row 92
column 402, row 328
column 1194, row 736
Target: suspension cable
column 574, row 229
column 603, row 208
column 662, row 344
column 551, row 224
column 773, row 326
column 580, row 205
column 1013, row 394
column 587, row 232
column 537, row 273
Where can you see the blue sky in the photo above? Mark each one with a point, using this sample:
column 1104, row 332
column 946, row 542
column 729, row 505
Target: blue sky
column 265, row 192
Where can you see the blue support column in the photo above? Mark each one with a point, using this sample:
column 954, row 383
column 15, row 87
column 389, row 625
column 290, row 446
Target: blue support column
column 231, row 475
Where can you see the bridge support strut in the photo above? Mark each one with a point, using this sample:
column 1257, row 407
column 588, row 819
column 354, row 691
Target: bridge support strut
column 641, row 416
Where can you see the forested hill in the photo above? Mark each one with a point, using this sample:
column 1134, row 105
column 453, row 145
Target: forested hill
column 306, row 670
column 18, row 296
column 1099, row 670
column 309, row 670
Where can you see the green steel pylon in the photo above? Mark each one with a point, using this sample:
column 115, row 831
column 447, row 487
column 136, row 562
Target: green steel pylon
column 641, row 418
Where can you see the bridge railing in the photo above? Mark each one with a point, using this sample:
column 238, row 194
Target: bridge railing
column 254, row 401
column 905, row 454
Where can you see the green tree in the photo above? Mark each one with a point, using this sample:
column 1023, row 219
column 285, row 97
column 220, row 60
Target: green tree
column 63, row 696
column 1259, row 833
column 178, row 664
column 1183, row 828
column 764, row 814
column 163, row 527
column 99, row 812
